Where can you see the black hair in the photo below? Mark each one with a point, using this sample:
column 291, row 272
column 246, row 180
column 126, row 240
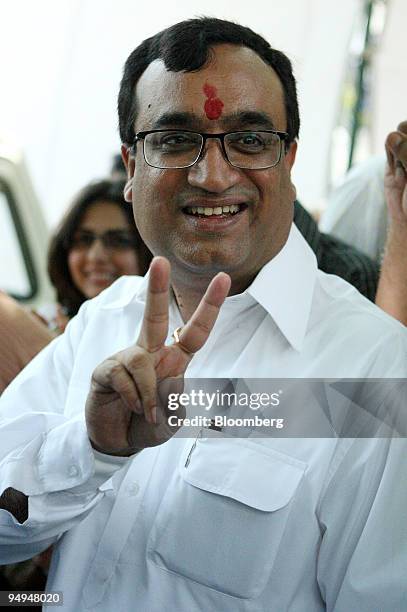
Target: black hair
column 108, row 190
column 186, row 46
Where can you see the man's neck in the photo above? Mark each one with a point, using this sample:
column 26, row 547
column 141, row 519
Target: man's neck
column 188, row 293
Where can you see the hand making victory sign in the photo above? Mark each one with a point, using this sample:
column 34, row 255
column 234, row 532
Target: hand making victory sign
column 123, row 410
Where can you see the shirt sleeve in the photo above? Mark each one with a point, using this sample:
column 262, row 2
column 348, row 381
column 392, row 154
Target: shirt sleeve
column 45, row 454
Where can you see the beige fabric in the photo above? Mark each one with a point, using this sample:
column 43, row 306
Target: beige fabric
column 22, row 336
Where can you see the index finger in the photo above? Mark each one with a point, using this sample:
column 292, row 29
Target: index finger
column 154, row 328
column 196, row 331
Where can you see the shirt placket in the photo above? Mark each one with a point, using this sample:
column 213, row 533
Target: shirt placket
column 122, row 518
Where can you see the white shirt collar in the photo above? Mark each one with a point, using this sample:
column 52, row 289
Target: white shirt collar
column 284, row 288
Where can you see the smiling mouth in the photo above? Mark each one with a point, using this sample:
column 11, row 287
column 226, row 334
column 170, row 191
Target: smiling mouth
column 216, row 211
column 101, row 277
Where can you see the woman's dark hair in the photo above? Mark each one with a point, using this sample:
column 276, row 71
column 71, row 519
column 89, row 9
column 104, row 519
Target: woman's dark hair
column 68, row 295
column 186, row 46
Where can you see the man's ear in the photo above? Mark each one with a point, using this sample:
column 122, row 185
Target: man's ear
column 290, row 155
column 129, row 162
column 289, row 160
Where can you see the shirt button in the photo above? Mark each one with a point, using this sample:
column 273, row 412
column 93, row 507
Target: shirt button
column 73, row 471
column 133, row 488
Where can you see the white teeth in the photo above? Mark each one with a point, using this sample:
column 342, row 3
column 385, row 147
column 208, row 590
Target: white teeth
column 208, row 211
column 100, row 276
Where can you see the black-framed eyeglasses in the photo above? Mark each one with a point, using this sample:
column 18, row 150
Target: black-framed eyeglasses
column 247, row 149
column 112, row 240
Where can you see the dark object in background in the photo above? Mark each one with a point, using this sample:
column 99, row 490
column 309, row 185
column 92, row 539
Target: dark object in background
column 337, row 257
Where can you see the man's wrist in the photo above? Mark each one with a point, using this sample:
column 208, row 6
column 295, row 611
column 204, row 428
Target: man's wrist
column 391, row 293
column 397, row 227
column 396, row 242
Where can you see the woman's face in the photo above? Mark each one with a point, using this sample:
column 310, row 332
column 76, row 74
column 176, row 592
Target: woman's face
column 102, row 249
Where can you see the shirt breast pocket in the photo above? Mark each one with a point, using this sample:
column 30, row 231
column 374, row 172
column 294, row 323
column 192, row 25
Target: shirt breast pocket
column 222, row 518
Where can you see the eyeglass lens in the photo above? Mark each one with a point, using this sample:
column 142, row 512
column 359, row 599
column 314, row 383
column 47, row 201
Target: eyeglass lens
column 112, row 239
column 251, row 150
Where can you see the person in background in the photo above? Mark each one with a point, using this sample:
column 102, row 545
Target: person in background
column 392, row 290
column 369, row 210
column 96, row 243
column 356, row 208
column 334, row 256
column 22, row 337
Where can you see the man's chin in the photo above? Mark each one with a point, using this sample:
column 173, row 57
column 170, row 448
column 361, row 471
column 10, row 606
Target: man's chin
column 211, row 263
column 200, row 269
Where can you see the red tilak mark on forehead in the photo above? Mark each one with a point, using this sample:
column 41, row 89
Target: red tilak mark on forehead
column 209, row 91
column 213, row 105
column 213, row 108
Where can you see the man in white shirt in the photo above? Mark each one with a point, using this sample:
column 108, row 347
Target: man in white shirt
column 145, row 520
column 368, row 210
column 356, row 208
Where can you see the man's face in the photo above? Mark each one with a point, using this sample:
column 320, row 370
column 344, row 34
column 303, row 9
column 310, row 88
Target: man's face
column 235, row 91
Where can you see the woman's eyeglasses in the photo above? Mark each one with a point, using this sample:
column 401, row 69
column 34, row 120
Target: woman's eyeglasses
column 112, row 240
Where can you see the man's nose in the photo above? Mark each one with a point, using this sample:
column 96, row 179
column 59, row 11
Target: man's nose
column 213, row 172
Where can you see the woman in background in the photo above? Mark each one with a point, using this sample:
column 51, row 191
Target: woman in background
column 96, row 243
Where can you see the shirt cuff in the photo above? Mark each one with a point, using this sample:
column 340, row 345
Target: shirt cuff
column 58, row 458
column 106, row 465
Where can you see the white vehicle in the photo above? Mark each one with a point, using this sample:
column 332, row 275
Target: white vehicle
column 24, row 234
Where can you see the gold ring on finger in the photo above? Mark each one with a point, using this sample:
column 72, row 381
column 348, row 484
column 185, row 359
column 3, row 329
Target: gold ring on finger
column 175, row 335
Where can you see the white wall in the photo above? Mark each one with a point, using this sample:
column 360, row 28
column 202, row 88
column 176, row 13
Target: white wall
column 61, row 64
column 390, row 83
